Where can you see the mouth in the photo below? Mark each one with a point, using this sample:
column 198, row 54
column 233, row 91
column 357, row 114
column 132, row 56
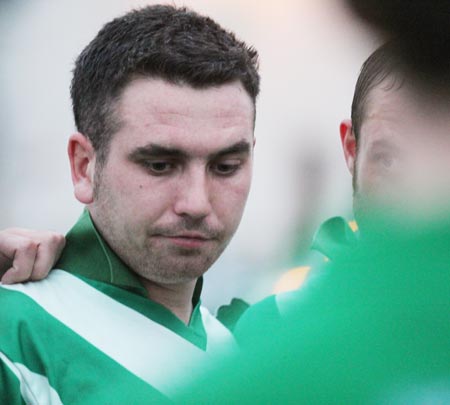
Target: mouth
column 187, row 241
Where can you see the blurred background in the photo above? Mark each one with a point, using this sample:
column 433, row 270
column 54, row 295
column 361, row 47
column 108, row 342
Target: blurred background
column 310, row 51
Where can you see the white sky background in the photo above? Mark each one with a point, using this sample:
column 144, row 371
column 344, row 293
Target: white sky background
column 311, row 52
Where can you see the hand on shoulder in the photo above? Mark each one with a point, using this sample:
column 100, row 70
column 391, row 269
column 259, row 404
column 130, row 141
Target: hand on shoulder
column 28, row 254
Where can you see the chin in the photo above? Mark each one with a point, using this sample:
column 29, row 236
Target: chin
column 175, row 274
column 175, row 278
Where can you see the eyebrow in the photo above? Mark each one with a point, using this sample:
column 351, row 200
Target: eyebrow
column 154, row 150
column 241, row 147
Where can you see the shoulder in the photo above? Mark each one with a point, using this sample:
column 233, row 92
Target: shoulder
column 271, row 313
column 25, row 323
column 35, row 301
column 16, row 305
column 257, row 320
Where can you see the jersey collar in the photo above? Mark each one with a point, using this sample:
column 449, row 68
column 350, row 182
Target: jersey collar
column 87, row 254
column 333, row 236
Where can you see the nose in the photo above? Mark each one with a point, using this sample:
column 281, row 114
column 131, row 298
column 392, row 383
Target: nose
column 193, row 197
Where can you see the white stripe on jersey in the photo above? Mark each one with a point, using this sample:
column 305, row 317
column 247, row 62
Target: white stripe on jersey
column 34, row 388
column 144, row 347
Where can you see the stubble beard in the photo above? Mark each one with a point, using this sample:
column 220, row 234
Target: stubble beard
column 158, row 264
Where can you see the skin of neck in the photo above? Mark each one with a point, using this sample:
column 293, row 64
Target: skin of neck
column 177, row 298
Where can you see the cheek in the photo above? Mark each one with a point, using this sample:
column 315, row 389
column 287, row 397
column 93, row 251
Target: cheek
column 142, row 195
column 370, row 181
column 229, row 200
column 363, row 173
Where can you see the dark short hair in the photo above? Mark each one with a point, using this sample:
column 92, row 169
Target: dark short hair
column 174, row 44
column 380, row 65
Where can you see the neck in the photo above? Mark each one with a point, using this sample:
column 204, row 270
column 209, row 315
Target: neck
column 177, row 298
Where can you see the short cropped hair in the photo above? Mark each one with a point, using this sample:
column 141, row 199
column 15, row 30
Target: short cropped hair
column 380, row 65
column 174, row 44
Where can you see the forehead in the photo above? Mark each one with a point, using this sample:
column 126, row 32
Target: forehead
column 153, row 110
column 401, row 114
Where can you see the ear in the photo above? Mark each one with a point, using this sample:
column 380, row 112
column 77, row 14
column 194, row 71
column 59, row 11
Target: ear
column 82, row 167
column 348, row 141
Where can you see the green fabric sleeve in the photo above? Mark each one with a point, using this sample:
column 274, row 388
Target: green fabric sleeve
column 9, row 386
column 257, row 320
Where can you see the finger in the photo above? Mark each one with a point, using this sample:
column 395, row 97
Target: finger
column 10, row 277
column 54, row 240
column 9, row 242
column 5, row 262
column 47, row 255
column 24, row 257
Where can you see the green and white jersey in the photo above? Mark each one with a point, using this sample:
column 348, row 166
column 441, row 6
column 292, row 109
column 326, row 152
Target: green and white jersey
column 89, row 334
column 334, row 237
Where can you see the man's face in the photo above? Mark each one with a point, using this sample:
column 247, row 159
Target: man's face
column 403, row 155
column 173, row 189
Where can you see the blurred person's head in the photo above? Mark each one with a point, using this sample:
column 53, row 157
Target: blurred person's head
column 421, row 29
column 397, row 144
column 164, row 104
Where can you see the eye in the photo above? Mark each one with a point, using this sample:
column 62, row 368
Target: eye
column 226, row 168
column 387, row 161
column 159, row 168
column 384, row 159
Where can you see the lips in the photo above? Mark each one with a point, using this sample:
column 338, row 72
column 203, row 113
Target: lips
column 187, row 240
column 191, row 236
